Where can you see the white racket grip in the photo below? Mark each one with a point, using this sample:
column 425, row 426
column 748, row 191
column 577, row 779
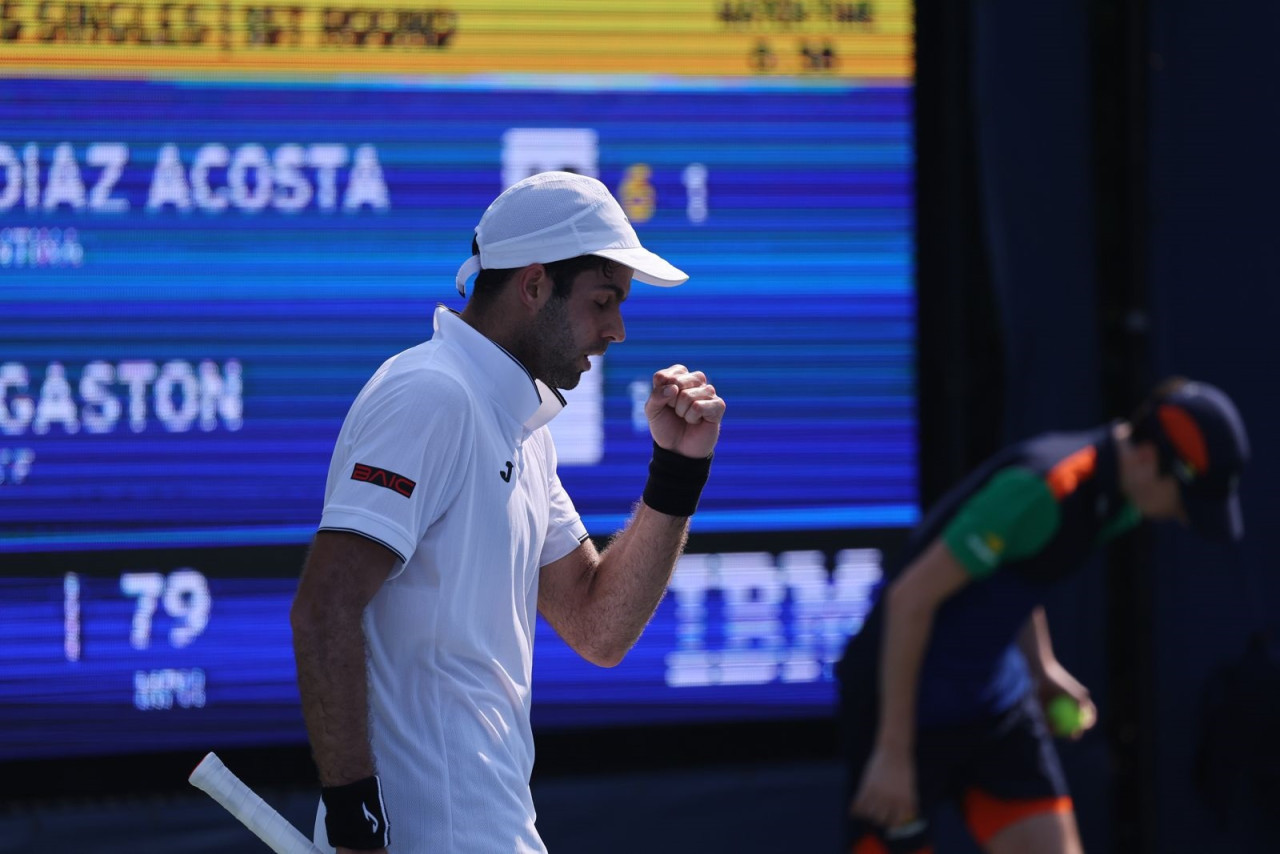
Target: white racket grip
column 217, row 781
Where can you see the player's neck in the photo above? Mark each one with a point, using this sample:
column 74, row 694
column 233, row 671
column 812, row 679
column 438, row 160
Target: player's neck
column 492, row 324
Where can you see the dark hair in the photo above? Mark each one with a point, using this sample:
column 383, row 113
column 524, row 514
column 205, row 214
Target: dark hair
column 1146, row 425
column 489, row 283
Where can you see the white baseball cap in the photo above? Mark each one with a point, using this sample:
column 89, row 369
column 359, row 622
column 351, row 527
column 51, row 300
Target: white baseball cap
column 552, row 216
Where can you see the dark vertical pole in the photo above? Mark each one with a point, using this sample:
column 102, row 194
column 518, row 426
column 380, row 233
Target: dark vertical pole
column 959, row 354
column 1119, row 86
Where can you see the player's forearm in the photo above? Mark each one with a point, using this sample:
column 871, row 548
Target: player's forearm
column 343, row 572
column 329, row 650
column 626, row 586
column 907, row 626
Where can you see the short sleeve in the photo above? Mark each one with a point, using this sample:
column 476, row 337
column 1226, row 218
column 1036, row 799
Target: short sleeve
column 396, row 466
column 1011, row 517
column 565, row 530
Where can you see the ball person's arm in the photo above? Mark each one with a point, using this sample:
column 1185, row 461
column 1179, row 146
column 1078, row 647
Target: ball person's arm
column 1052, row 679
column 600, row 603
column 887, row 793
column 342, row 573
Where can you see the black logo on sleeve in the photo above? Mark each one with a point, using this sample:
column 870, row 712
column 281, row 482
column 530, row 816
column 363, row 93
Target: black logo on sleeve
column 506, row 475
column 381, row 477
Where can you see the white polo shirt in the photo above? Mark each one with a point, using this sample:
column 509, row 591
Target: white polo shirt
column 445, row 458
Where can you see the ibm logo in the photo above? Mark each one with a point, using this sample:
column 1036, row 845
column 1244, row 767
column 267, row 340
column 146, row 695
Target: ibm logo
column 785, row 618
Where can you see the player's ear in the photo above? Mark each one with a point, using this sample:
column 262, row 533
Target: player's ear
column 533, row 286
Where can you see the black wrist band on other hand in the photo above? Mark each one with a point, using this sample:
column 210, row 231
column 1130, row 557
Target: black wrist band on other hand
column 675, row 482
column 355, row 816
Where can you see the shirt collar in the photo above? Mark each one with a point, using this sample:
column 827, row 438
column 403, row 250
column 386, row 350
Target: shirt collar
column 529, row 401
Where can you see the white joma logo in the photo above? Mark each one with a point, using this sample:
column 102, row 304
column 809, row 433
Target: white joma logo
column 373, row 820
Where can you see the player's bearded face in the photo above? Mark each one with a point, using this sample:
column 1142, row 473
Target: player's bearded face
column 559, row 361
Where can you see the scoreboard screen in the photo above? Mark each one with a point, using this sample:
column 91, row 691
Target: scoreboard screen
column 126, row 652
column 218, row 219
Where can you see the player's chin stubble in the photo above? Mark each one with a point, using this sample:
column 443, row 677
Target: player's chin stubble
column 554, row 356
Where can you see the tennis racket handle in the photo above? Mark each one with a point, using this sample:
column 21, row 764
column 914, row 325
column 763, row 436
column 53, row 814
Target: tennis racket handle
column 217, row 781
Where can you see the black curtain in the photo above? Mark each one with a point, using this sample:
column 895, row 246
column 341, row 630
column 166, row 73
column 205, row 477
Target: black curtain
column 1214, row 262
column 1119, row 161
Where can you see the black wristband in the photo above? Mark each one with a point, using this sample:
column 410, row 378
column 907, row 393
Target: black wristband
column 675, row 482
column 355, row 816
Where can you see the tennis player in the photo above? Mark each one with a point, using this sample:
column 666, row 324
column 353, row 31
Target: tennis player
column 446, row 530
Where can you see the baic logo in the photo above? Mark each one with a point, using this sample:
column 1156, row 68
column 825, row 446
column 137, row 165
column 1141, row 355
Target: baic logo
column 397, row 483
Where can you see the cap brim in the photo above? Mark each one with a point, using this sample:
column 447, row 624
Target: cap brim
column 1216, row 517
column 649, row 268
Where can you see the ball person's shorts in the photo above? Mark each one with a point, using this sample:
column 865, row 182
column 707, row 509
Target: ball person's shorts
column 998, row 771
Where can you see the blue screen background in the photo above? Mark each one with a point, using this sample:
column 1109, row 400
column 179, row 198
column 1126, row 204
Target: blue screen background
column 88, row 666
column 174, row 369
column 800, row 305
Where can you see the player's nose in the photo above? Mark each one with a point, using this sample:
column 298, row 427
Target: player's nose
column 616, row 331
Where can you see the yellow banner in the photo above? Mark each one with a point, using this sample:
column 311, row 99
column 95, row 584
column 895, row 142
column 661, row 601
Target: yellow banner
column 869, row 41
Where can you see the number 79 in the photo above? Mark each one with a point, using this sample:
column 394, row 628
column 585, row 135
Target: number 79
column 185, row 596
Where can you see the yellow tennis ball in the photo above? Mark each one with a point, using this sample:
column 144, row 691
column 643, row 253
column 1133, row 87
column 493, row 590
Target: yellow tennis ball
column 1066, row 717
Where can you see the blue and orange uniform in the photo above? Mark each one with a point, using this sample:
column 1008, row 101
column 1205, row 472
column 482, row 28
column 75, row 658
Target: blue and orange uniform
column 1031, row 515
